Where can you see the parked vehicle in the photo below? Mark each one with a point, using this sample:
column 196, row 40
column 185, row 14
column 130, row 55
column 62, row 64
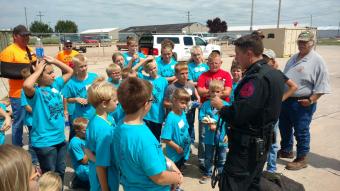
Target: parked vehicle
column 150, row 44
column 89, row 39
column 78, row 45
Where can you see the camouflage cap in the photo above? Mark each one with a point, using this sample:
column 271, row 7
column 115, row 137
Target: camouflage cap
column 306, row 36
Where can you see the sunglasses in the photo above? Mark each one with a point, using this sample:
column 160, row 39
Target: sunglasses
column 68, row 46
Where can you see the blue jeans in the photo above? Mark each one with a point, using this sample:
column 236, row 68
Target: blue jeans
column 53, row 158
column 19, row 113
column 191, row 120
column 201, row 145
column 272, row 154
column 297, row 117
column 209, row 158
column 34, row 157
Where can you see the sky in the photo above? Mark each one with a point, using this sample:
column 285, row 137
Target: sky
column 91, row 14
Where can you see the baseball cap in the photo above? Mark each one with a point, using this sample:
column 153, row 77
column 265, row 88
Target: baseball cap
column 68, row 42
column 306, row 36
column 269, row 53
column 21, row 30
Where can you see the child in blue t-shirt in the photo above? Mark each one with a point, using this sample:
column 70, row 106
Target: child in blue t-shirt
column 196, row 66
column 236, row 73
column 80, row 161
column 76, row 89
column 132, row 57
column 137, row 152
column 5, row 122
column 103, row 175
column 155, row 117
column 175, row 132
column 208, row 116
column 166, row 63
column 114, row 74
column 47, row 134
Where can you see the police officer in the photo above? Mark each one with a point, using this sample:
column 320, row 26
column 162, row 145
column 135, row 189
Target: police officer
column 251, row 116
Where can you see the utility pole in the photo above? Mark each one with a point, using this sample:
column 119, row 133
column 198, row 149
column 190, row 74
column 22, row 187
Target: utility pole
column 339, row 30
column 40, row 15
column 311, row 21
column 188, row 15
column 251, row 15
column 278, row 15
column 26, row 17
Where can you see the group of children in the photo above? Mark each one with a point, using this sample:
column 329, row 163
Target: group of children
column 118, row 124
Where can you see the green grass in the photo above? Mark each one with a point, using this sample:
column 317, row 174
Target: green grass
column 330, row 41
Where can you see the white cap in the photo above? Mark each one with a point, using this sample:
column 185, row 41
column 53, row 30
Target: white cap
column 269, row 53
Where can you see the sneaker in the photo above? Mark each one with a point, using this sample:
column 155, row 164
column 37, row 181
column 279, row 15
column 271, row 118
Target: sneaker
column 204, row 180
column 201, row 168
column 284, row 154
column 297, row 164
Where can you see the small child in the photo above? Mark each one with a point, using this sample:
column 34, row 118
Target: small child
column 80, row 161
column 5, row 122
column 175, row 132
column 155, row 117
column 117, row 58
column 236, row 73
column 208, row 116
column 137, row 152
column 197, row 65
column 166, row 63
column 50, row 181
column 132, row 57
column 114, row 74
column 103, row 97
column 76, row 89
column 48, row 124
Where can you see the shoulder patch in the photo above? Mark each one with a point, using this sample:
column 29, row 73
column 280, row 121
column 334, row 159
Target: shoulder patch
column 248, row 89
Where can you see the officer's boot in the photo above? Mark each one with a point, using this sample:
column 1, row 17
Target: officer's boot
column 297, row 164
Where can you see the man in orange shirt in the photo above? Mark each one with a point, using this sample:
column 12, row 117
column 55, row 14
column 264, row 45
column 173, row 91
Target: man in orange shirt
column 67, row 53
column 17, row 53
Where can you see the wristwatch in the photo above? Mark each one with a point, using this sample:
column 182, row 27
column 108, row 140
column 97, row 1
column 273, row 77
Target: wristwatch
column 310, row 101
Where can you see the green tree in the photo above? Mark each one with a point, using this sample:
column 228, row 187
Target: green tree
column 40, row 27
column 66, row 27
column 216, row 25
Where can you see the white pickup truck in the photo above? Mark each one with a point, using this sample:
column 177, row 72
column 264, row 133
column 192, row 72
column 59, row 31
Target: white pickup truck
column 150, row 44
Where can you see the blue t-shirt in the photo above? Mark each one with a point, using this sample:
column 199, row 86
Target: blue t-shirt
column 138, row 155
column 127, row 59
column 232, row 94
column 75, row 149
column 208, row 109
column 115, row 85
column 48, row 115
column 176, row 129
column 78, row 89
column 166, row 70
column 28, row 115
column 118, row 114
column 70, row 106
column 98, row 140
column 156, row 113
column 196, row 70
column 2, row 119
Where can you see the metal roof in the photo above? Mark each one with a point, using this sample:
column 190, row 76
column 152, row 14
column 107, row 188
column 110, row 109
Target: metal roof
column 103, row 30
column 158, row 28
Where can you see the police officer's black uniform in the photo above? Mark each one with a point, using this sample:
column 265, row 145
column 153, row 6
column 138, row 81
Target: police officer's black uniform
column 252, row 116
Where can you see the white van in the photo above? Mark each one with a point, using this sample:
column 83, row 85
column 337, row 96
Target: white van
column 150, row 44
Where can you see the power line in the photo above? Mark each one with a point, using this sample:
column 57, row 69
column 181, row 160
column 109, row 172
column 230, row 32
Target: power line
column 40, row 15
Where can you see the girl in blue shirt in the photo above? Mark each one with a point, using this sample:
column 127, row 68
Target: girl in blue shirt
column 103, row 173
column 196, row 66
column 5, row 122
column 166, row 62
column 47, row 135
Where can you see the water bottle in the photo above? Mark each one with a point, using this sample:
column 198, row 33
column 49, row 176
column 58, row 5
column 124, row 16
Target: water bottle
column 39, row 49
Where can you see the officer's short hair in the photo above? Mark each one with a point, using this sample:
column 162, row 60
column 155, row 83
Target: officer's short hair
column 250, row 42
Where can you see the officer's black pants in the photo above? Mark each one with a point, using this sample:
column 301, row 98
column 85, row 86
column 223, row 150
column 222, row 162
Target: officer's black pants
column 242, row 171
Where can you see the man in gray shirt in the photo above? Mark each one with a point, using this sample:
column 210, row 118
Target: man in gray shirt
column 308, row 70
